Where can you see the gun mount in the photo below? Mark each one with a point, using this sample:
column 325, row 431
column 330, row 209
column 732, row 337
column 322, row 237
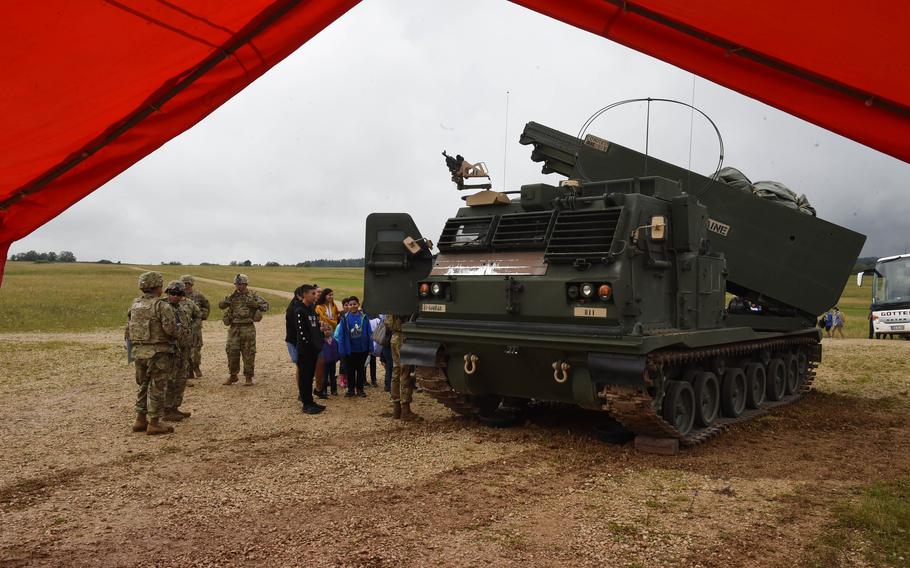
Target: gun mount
column 461, row 169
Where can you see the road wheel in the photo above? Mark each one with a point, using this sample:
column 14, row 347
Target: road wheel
column 755, row 385
column 679, row 406
column 792, row 374
column 776, row 380
column 707, row 398
column 733, row 392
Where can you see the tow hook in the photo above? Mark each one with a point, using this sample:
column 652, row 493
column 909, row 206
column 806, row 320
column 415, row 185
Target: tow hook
column 470, row 363
column 561, row 371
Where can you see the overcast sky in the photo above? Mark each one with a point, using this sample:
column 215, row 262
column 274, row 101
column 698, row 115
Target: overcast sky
column 355, row 120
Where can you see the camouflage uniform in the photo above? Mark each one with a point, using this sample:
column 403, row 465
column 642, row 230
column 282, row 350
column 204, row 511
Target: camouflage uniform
column 241, row 310
column 402, row 390
column 150, row 330
column 204, row 307
column 188, row 315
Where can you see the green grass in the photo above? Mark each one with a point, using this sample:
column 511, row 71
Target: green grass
column 344, row 281
column 882, row 516
column 876, row 523
column 82, row 296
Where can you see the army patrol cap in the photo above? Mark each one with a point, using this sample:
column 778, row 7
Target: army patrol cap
column 175, row 286
column 187, row 279
column 150, row 280
column 241, row 279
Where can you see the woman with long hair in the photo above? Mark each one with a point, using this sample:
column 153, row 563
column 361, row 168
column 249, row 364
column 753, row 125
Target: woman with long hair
column 328, row 314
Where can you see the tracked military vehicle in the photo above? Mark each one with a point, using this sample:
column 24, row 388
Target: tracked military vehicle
column 610, row 291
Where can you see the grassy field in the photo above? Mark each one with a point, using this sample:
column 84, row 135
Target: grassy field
column 85, row 296
column 344, row 281
column 854, row 302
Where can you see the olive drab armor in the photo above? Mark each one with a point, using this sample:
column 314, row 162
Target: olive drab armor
column 144, row 324
column 609, row 292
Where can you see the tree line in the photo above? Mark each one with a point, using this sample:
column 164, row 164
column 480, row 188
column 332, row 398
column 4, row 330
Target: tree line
column 35, row 256
column 318, row 263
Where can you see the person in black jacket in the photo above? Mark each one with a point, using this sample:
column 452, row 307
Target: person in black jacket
column 302, row 327
column 290, row 333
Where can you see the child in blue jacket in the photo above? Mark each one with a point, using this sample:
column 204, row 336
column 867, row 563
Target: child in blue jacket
column 354, row 345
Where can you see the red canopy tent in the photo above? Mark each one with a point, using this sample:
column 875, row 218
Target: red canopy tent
column 89, row 88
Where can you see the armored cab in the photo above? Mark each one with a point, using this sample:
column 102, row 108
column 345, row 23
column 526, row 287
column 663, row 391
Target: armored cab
column 673, row 302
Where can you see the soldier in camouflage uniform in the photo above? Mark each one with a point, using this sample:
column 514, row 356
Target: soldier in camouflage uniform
column 204, row 307
column 402, row 379
column 188, row 315
column 241, row 309
column 151, row 329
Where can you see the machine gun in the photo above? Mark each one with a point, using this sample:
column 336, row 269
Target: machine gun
column 462, row 169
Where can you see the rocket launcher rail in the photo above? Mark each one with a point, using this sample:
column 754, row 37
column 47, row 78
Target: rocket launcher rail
column 773, row 252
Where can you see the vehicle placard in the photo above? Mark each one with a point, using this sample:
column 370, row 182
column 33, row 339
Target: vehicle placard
column 581, row 312
column 432, row 307
column 897, row 328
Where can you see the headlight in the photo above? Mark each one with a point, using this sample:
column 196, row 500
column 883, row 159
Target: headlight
column 604, row 291
column 587, row 290
column 423, row 290
column 436, row 288
column 572, row 292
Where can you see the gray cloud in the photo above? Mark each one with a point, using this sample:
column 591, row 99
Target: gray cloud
column 355, row 121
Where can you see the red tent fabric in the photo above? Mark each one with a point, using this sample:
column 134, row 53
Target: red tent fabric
column 845, row 68
column 89, row 88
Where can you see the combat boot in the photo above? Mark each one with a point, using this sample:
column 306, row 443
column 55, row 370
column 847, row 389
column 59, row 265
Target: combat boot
column 140, row 424
column 197, row 371
column 396, row 409
column 248, row 382
column 231, row 380
column 171, row 415
column 155, row 427
column 407, row 415
column 182, row 413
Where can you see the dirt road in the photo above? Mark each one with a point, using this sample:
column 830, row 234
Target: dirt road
column 248, row 480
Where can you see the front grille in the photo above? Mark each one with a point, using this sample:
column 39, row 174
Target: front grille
column 582, row 235
column 523, row 230
column 466, row 233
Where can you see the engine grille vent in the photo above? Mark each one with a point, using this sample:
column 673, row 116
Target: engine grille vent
column 523, row 230
column 582, row 235
column 466, row 233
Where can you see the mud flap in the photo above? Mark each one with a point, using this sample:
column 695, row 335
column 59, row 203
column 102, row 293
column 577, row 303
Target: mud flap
column 617, row 369
column 419, row 353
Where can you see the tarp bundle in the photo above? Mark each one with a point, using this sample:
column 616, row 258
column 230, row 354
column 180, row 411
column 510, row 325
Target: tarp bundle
column 770, row 190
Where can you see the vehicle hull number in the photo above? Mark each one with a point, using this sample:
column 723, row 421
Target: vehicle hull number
column 432, row 307
column 581, row 312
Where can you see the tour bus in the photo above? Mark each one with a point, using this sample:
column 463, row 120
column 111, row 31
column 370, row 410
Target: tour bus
column 890, row 296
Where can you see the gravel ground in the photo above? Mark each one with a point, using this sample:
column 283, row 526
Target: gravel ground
column 248, row 480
